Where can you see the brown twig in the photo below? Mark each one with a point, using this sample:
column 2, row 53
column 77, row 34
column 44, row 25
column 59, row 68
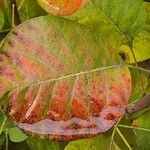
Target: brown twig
column 138, row 105
column 144, row 64
column 15, row 14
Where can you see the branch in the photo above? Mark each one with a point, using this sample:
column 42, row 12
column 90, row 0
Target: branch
column 144, row 64
column 138, row 105
column 15, row 14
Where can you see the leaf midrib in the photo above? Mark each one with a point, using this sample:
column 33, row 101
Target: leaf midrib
column 68, row 76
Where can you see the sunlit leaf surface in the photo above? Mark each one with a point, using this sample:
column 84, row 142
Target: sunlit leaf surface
column 127, row 16
column 66, row 83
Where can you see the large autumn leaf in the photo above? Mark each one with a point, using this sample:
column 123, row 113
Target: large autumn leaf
column 64, row 81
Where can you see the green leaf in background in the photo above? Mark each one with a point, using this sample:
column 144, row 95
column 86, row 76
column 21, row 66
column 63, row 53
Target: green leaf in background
column 5, row 6
column 127, row 16
column 137, row 92
column 98, row 22
column 97, row 18
column 143, row 135
column 2, row 139
column 100, row 142
column 29, row 9
column 1, row 19
column 141, row 44
column 16, row 135
column 39, row 144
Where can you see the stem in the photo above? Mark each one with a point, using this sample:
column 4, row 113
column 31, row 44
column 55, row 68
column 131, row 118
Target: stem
column 129, row 147
column 132, row 127
column 4, row 121
column 143, row 103
column 113, row 134
column 15, row 14
column 6, row 134
column 130, row 44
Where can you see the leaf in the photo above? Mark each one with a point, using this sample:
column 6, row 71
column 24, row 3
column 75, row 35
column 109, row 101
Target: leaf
column 2, row 139
column 1, row 19
column 61, row 76
column 29, row 9
column 98, row 143
column 16, row 135
column 137, row 85
column 37, row 144
column 102, row 21
column 2, row 121
column 142, row 137
column 61, row 7
column 126, row 16
column 125, row 139
column 141, row 44
column 6, row 12
column 98, row 22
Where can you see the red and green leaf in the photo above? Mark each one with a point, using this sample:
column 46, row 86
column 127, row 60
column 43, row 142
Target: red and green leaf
column 65, row 83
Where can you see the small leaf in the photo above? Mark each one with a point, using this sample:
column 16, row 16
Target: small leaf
column 16, row 135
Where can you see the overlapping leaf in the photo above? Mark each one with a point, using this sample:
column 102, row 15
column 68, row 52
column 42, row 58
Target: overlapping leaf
column 98, row 143
column 29, row 9
column 61, row 76
column 61, row 7
column 141, row 45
